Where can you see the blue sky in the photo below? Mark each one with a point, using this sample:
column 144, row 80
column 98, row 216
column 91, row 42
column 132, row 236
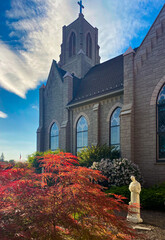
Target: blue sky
column 30, row 37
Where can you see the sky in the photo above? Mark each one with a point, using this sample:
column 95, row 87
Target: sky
column 30, row 37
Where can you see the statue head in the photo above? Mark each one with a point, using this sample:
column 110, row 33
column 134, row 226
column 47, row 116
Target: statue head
column 133, row 178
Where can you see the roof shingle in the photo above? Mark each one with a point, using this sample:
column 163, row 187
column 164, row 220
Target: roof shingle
column 101, row 79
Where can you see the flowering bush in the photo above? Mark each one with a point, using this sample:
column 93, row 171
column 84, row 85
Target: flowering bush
column 118, row 171
column 73, row 206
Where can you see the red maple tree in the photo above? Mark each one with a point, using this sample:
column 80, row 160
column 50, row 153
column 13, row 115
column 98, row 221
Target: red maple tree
column 64, row 202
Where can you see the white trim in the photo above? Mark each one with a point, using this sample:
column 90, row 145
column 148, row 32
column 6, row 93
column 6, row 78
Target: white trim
column 64, row 124
column 96, row 107
column 68, row 74
column 125, row 112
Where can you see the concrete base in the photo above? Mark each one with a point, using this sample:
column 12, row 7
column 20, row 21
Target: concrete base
column 134, row 218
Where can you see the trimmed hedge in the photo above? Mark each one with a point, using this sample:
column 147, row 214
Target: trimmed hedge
column 152, row 198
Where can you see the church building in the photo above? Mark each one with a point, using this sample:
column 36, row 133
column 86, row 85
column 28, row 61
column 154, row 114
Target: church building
column 120, row 102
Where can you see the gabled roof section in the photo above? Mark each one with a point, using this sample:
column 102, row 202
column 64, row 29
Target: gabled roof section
column 151, row 28
column 81, row 16
column 100, row 80
column 62, row 73
column 54, row 67
column 128, row 51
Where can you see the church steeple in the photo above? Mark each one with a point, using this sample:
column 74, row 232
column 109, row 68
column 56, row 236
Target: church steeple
column 79, row 49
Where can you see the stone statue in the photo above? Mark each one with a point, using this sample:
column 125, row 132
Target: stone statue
column 134, row 204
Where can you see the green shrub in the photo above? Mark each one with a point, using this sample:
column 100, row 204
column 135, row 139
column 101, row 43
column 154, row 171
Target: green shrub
column 34, row 159
column 95, row 153
column 153, row 197
column 12, row 162
column 118, row 171
column 150, row 198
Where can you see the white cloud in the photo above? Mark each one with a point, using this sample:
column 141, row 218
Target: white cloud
column 35, row 107
column 21, row 70
column 39, row 30
column 3, row 115
column 119, row 22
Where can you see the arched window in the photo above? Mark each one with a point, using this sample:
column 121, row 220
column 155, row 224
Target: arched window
column 161, row 125
column 89, row 45
column 54, row 137
column 115, row 128
column 72, row 44
column 82, row 133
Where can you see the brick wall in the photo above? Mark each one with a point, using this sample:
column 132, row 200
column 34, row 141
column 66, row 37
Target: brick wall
column 149, row 71
column 127, row 113
column 56, row 95
column 98, row 115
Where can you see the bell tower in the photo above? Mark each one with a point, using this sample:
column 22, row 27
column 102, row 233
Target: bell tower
column 79, row 49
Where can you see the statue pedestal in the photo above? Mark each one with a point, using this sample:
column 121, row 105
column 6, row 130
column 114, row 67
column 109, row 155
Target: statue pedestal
column 134, row 219
column 134, row 214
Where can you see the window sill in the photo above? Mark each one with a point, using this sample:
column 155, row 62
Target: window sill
column 160, row 163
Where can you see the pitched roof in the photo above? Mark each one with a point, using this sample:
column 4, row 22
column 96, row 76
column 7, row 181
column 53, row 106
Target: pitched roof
column 62, row 74
column 101, row 79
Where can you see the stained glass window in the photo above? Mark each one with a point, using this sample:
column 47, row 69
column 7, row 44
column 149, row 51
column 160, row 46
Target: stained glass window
column 72, row 44
column 89, row 46
column 161, row 124
column 54, row 137
column 82, row 133
column 115, row 128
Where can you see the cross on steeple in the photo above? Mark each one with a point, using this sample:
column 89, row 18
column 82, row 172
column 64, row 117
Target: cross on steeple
column 81, row 5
